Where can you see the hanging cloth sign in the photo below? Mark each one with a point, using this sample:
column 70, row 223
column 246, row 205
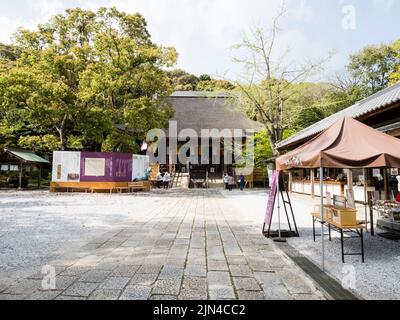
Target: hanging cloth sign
column 271, row 198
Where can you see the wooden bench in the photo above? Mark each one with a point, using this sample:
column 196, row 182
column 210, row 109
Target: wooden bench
column 356, row 230
column 55, row 188
column 121, row 189
column 73, row 189
column 94, row 189
column 137, row 186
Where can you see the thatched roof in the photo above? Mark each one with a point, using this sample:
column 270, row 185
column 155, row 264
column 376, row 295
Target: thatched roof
column 205, row 110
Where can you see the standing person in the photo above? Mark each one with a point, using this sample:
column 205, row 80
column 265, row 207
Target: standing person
column 231, row 182
column 242, row 182
column 159, row 180
column 167, row 179
column 226, row 181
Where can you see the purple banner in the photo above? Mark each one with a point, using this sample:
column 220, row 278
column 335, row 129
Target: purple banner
column 271, row 199
column 106, row 167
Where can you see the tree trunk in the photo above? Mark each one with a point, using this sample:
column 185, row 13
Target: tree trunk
column 61, row 132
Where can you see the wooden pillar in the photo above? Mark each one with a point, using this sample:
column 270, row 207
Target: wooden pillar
column 39, row 175
column 290, row 182
column 312, row 183
column 20, row 177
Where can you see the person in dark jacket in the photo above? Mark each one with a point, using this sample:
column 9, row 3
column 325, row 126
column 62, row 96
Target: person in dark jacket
column 242, row 182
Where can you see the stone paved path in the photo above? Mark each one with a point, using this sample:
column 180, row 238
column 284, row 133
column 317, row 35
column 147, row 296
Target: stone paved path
column 190, row 245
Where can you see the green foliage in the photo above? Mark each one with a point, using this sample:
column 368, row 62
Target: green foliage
column 395, row 76
column 374, row 66
column 39, row 143
column 205, row 77
column 262, row 149
column 81, row 74
column 214, row 85
column 180, row 80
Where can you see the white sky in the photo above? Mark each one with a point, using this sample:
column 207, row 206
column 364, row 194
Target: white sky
column 203, row 31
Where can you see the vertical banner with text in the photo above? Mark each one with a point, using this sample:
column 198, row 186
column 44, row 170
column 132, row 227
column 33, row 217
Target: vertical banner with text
column 271, row 198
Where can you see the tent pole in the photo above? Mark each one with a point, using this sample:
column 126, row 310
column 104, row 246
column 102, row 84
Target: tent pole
column 365, row 199
column 321, row 181
column 279, row 207
column 279, row 239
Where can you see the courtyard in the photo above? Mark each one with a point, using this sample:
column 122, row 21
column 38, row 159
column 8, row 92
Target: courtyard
column 179, row 244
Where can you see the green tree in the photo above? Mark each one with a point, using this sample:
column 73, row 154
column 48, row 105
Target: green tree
column 268, row 82
column 374, row 66
column 214, row 85
column 395, row 76
column 180, row 80
column 80, row 75
column 205, row 77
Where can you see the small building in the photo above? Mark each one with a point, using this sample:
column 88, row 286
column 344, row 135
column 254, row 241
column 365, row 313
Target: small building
column 97, row 170
column 19, row 167
column 380, row 111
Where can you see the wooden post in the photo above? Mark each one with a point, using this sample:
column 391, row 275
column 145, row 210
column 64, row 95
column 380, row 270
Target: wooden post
column 385, row 181
column 321, row 188
column 39, row 175
column 20, row 176
column 290, row 182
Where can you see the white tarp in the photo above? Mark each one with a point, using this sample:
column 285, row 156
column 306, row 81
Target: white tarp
column 66, row 166
column 140, row 167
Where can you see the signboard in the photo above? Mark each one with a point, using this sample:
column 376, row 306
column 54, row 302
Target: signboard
column 351, row 203
column 272, row 197
column 376, row 173
column 328, row 199
column 140, row 167
column 66, row 166
column 106, row 167
column 95, row 167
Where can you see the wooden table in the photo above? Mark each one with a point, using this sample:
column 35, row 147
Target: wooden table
column 357, row 231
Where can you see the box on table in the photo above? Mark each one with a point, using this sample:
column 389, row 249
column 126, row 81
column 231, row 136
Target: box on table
column 327, row 212
column 344, row 217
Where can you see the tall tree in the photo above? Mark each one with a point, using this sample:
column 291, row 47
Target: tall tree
column 374, row 65
column 267, row 83
column 89, row 79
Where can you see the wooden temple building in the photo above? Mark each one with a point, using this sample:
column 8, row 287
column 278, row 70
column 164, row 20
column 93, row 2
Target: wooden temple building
column 199, row 111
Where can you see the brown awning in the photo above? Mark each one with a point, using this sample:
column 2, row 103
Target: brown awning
column 347, row 144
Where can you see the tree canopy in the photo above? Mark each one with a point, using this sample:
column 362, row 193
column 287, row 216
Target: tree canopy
column 84, row 80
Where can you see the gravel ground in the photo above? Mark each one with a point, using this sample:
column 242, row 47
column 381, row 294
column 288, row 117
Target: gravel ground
column 179, row 244
column 378, row 278
column 36, row 227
